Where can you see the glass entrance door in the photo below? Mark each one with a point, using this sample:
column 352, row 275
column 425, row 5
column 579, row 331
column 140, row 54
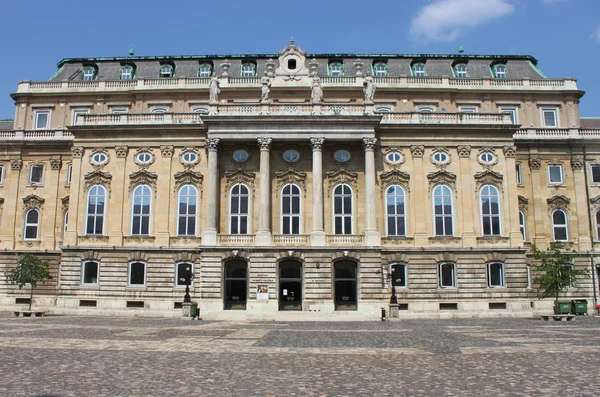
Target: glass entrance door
column 236, row 285
column 290, row 285
column 345, row 285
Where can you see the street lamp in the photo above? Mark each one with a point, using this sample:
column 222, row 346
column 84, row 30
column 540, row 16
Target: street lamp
column 187, row 280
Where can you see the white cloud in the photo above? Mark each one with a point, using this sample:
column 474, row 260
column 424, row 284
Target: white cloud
column 444, row 20
column 596, row 34
column 553, row 1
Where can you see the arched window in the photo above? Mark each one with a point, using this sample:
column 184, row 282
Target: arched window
column 66, row 222
column 490, row 210
column 419, row 70
column 32, row 224
column 127, row 72
column 442, row 211
column 166, row 70
column 342, row 209
column 89, row 72
column 187, row 211
column 204, row 70
column 522, row 225
column 239, row 205
column 559, row 226
column 137, row 274
column 598, row 225
column 495, row 273
column 140, row 214
column 380, row 69
column 500, row 71
column 95, row 210
column 336, row 69
column 248, row 69
column 460, row 71
column 447, row 275
column 90, row 272
column 396, row 211
column 290, row 209
column 159, row 110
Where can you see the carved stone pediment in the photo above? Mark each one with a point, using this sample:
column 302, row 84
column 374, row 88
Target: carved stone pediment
column 523, row 203
column 97, row 178
column 341, row 176
column 395, row 177
column 188, row 177
column 488, row 177
column 240, row 176
column 65, row 203
column 142, row 177
column 441, row 177
column 291, row 176
column 33, row 201
column 558, row 201
column 595, row 202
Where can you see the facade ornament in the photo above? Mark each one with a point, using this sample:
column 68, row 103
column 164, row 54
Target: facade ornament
column 225, row 65
column 144, row 164
column 264, row 143
column 270, row 66
column 369, row 143
column 290, row 253
column 464, row 151
column 394, row 162
column 595, row 202
column 369, row 88
column 291, row 176
column 313, row 66
column 523, row 203
column 211, row 144
column 345, row 253
column 558, row 201
column 487, row 164
column 535, row 164
column 188, row 177
column 16, row 164
column 33, row 201
column 121, row 151
column 577, row 164
column 510, row 151
column 395, row 177
column 186, row 154
column 235, row 253
column 316, row 95
column 358, row 67
column 441, row 177
column 166, row 150
column 102, row 161
column 77, row 151
column 214, row 90
column 488, row 177
column 240, row 176
column 341, row 176
column 97, row 177
column 142, row 177
column 417, row 150
column 317, row 144
column 55, row 164
column 65, row 203
column 265, row 89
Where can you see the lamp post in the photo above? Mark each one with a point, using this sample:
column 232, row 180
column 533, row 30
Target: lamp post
column 187, row 279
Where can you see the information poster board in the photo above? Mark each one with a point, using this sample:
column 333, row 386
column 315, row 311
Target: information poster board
column 262, row 292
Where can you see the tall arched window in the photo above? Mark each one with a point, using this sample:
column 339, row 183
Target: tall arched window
column 140, row 214
column 522, row 225
column 290, row 209
column 559, row 226
column 95, row 210
column 442, row 211
column 32, row 224
column 490, row 210
column 342, row 209
column 239, row 205
column 598, row 225
column 66, row 222
column 396, row 211
column 187, row 211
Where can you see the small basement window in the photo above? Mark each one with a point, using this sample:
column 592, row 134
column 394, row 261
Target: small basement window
column 22, row 301
column 88, row 303
column 135, row 304
column 448, row 306
column 497, row 305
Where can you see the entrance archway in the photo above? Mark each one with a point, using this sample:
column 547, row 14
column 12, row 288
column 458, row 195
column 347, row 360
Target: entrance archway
column 290, row 285
column 345, row 285
column 236, row 285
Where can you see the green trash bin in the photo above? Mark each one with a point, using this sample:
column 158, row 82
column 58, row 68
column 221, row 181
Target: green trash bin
column 194, row 312
column 564, row 307
column 580, row 306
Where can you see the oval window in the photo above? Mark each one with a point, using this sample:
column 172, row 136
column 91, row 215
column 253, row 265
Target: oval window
column 487, row 158
column 291, row 156
column 394, row 157
column 99, row 158
column 440, row 157
column 240, row 156
column 189, row 157
column 144, row 157
column 342, row 156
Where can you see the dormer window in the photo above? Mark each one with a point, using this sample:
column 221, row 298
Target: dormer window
column 166, row 70
column 500, row 71
column 248, row 69
column 205, row 70
column 127, row 72
column 380, row 69
column 336, row 69
column 89, row 73
column 460, row 71
column 418, row 70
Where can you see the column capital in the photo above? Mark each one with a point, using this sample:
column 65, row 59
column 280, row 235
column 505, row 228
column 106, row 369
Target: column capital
column 510, row 151
column 264, row 143
column 464, row 151
column 577, row 164
column 317, row 143
column 212, row 144
column 369, row 143
column 535, row 164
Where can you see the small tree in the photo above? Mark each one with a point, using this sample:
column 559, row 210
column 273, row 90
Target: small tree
column 555, row 271
column 29, row 270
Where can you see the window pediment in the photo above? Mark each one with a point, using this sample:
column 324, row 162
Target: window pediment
column 395, row 177
column 595, row 201
column 33, row 201
column 558, row 201
column 523, row 203
column 341, row 176
column 441, row 177
column 65, row 203
column 97, row 178
column 188, row 177
column 142, row 177
column 291, row 176
column 488, row 177
column 240, row 176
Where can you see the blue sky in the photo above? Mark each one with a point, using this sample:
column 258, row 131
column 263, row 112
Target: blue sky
column 563, row 35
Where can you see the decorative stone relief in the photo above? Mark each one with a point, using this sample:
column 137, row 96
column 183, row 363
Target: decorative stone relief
column 358, row 66
column 98, row 165
column 313, row 66
column 290, row 176
column 185, row 155
column 488, row 177
column 167, row 151
column 417, row 150
column 509, row 151
column 577, row 164
column 77, row 151
column 464, row 151
column 341, row 176
column 141, row 164
column 142, row 177
column 369, row 143
column 558, row 201
column 523, row 203
column 395, row 177
column 270, row 66
column 55, row 164
column 441, row 177
column 488, row 164
column 317, row 143
column 535, row 164
column 214, row 89
column 440, row 157
column 33, row 201
column 394, row 163
column 16, row 164
column 65, row 203
column 188, row 177
column 211, row 144
column 264, row 143
column 225, row 65
column 97, row 177
column 595, row 202
column 240, row 176
column 121, row 151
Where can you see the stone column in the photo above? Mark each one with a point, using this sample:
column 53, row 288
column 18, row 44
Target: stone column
column 468, row 204
column 542, row 233
column 581, row 219
column 420, row 188
column 209, row 234
column 49, row 225
column 74, row 193
column 512, row 209
column 118, row 199
column 163, row 218
column 263, row 234
column 317, row 234
column 372, row 237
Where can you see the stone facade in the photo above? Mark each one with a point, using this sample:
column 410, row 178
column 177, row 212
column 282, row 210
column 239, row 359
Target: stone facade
column 293, row 188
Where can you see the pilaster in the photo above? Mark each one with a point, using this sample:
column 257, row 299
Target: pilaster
column 209, row 234
column 263, row 234
column 317, row 234
column 74, row 197
column 420, row 188
column 467, row 202
column 372, row 236
column 511, row 198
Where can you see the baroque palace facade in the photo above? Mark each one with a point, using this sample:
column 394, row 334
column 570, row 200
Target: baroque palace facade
column 297, row 182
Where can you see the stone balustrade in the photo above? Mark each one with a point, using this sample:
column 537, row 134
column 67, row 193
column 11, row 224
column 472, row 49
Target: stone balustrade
column 36, row 135
column 556, row 134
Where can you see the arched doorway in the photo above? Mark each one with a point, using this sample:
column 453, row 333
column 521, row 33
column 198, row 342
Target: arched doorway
column 236, row 285
column 345, row 296
column 290, row 285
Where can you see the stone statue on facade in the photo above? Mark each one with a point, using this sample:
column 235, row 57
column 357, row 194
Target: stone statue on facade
column 369, row 89
column 316, row 95
column 265, row 89
column 214, row 90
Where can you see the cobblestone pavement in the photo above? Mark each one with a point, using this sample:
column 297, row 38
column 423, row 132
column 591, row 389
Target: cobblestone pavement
column 85, row 356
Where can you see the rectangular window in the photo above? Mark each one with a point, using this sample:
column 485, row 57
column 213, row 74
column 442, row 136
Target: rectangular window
column 89, row 273
column 1, row 174
column 42, row 119
column 183, row 271
column 118, row 110
column 137, row 274
column 519, row 171
column 512, row 112
column 555, row 174
column 495, row 275
column 468, row 109
column 36, row 174
column 398, row 275
column 447, row 275
column 596, row 173
column 528, row 276
column 69, row 173
column 77, row 113
column 549, row 117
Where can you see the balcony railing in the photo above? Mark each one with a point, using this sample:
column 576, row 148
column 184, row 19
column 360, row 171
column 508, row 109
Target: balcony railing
column 445, row 118
column 345, row 239
column 138, row 119
column 236, row 239
column 556, row 134
column 36, row 135
column 290, row 239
